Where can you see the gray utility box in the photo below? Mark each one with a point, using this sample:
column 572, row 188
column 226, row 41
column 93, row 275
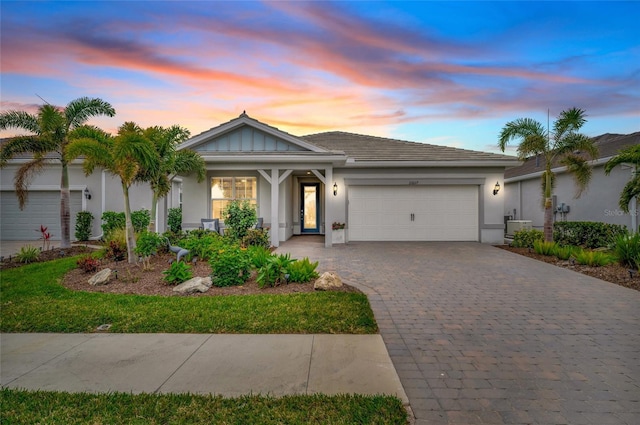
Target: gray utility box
column 514, row 225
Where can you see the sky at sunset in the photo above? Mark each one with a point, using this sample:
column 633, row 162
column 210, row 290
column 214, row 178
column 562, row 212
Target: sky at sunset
column 446, row 73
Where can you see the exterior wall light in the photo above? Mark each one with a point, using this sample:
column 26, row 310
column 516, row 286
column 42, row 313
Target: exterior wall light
column 86, row 192
column 496, row 188
column 335, row 189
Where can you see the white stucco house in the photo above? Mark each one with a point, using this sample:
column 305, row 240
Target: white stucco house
column 381, row 189
column 599, row 202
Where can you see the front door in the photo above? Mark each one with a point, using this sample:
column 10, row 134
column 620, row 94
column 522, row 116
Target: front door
column 310, row 211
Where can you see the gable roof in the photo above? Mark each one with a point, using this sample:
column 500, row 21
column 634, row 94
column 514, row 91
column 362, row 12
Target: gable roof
column 608, row 146
column 372, row 149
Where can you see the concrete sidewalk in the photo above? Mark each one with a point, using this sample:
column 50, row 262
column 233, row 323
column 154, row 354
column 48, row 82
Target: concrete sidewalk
column 229, row 365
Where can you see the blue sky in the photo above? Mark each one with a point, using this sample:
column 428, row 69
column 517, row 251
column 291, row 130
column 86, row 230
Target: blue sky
column 448, row 73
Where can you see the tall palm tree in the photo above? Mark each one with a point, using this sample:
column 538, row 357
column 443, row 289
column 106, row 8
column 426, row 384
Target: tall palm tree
column 565, row 145
column 51, row 131
column 128, row 155
column 171, row 162
column 629, row 155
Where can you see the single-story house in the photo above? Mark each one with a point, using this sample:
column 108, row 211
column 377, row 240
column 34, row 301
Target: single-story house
column 599, row 202
column 381, row 189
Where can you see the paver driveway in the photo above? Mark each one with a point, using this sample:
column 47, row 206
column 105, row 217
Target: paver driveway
column 479, row 335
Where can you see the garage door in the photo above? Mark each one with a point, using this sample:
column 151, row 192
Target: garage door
column 43, row 207
column 413, row 213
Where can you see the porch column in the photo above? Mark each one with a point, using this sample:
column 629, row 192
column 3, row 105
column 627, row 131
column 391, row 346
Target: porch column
column 328, row 199
column 275, row 203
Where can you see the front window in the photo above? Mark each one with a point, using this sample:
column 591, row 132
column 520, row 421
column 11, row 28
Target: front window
column 226, row 189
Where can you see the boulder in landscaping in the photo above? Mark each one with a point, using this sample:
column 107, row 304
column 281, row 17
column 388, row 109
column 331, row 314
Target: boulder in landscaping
column 327, row 281
column 191, row 286
column 100, row 278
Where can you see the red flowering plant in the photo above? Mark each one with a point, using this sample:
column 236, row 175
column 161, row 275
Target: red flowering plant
column 45, row 236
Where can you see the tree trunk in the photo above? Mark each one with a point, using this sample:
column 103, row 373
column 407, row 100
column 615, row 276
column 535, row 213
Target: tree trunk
column 154, row 207
column 548, row 220
column 65, row 208
column 131, row 237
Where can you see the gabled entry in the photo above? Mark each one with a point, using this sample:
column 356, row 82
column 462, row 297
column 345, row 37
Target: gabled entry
column 310, row 208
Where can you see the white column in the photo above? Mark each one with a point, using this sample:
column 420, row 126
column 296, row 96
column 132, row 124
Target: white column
column 275, row 203
column 328, row 199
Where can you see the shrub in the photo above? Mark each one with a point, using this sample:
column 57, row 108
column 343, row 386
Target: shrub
column 525, row 238
column 587, row 234
column 303, row 271
column 627, row 250
column 116, row 248
column 28, row 254
column 275, row 271
column 177, row 273
column 146, row 246
column 84, row 219
column 259, row 255
column 565, row 252
column 203, row 244
column 593, row 258
column 88, row 264
column 544, row 248
column 256, row 237
column 174, row 220
column 140, row 220
column 111, row 221
column 240, row 216
column 230, row 266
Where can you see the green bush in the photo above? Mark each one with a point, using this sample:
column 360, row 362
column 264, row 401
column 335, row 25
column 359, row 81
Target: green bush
column 544, row 248
column 256, row 237
column 147, row 245
column 111, row 221
column 627, row 250
column 593, row 258
column 177, row 273
column 28, row 254
column 303, row 271
column 84, row 219
column 259, row 255
column 116, row 248
column 275, row 271
column 526, row 238
column 140, row 220
column 230, row 266
column 239, row 217
column 174, row 220
column 587, row 234
column 565, row 252
column 203, row 244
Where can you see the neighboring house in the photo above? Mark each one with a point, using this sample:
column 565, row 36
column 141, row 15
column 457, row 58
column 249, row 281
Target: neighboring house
column 104, row 193
column 383, row 189
column 599, row 202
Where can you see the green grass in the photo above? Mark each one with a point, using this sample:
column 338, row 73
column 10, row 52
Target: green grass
column 33, row 300
column 31, row 407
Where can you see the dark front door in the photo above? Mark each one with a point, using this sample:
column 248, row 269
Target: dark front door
column 309, row 210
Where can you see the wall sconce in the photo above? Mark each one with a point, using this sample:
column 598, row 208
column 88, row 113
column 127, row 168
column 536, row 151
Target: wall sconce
column 87, row 194
column 496, row 188
column 335, row 189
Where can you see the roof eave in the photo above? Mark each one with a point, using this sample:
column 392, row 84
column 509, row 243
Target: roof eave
column 434, row 164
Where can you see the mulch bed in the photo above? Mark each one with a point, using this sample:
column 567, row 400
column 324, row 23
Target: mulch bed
column 613, row 273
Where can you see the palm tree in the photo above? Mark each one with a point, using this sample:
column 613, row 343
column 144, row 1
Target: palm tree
column 564, row 145
column 171, row 162
column 629, row 155
column 128, row 156
column 51, row 131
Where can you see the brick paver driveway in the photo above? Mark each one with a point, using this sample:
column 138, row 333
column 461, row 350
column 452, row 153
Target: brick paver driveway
column 479, row 335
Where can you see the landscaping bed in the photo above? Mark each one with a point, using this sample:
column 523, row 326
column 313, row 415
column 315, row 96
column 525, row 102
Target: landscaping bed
column 613, row 273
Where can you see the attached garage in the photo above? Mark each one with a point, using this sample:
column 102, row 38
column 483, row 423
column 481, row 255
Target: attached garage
column 42, row 208
column 413, row 213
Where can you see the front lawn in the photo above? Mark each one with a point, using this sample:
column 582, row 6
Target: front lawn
column 31, row 407
column 32, row 300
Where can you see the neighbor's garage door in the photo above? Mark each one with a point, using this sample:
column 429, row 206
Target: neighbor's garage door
column 43, row 207
column 413, row 213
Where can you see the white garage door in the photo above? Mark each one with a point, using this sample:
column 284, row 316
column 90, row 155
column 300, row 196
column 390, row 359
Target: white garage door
column 43, row 207
column 413, row 213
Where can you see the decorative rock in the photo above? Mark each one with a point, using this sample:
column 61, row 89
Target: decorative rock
column 191, row 286
column 100, row 278
column 327, row 281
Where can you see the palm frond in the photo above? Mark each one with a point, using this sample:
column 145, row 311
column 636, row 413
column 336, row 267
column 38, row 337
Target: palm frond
column 569, row 121
column 631, row 190
column 628, row 155
column 533, row 144
column 575, row 143
column 24, row 176
column 78, row 111
column 580, row 170
column 521, row 128
column 97, row 153
column 187, row 162
column 19, row 119
column 23, row 144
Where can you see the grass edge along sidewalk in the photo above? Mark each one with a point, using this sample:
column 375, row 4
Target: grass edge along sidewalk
column 50, row 407
column 33, row 300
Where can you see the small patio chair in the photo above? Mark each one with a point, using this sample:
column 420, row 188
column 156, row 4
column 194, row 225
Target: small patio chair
column 260, row 223
column 210, row 224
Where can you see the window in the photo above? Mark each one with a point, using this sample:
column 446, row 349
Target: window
column 226, row 189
